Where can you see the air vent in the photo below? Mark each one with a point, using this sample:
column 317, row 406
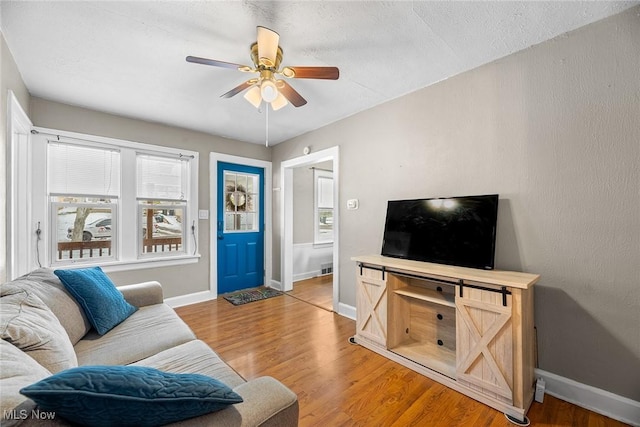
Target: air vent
column 326, row 268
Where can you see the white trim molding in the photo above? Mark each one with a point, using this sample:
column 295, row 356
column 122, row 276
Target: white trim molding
column 347, row 311
column 214, row 158
column 286, row 218
column 19, row 231
column 594, row 399
column 127, row 242
column 189, row 299
column 275, row 284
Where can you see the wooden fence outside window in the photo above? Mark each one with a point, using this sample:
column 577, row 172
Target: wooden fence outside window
column 100, row 248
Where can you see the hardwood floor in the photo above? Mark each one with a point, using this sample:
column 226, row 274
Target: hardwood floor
column 317, row 291
column 341, row 384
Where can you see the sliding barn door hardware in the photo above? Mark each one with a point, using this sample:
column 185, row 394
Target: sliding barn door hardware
column 460, row 283
column 503, row 290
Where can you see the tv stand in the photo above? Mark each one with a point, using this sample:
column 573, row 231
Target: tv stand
column 471, row 330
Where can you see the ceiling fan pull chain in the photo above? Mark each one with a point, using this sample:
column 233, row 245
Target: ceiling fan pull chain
column 266, row 138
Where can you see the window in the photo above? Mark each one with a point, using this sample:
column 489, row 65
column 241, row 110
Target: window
column 112, row 202
column 84, row 188
column 162, row 199
column 241, row 202
column 323, row 206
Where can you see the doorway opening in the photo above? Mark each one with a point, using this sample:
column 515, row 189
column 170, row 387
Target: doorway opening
column 310, row 228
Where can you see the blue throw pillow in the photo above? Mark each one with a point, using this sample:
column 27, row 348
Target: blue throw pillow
column 128, row 395
column 103, row 304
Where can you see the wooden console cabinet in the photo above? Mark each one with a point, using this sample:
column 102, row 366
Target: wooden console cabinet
column 469, row 329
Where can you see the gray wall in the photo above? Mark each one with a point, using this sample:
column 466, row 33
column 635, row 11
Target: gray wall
column 302, row 205
column 180, row 280
column 555, row 130
column 10, row 79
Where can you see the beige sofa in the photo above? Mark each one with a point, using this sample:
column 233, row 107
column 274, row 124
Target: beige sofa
column 153, row 336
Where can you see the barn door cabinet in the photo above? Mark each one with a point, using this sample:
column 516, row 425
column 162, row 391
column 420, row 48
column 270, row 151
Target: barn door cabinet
column 471, row 330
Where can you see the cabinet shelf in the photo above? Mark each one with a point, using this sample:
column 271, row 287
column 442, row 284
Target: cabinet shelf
column 432, row 356
column 428, row 295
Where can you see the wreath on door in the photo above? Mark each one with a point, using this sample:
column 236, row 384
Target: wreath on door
column 237, row 198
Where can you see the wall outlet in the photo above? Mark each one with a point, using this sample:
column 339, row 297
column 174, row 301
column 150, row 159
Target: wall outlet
column 539, row 396
column 352, row 204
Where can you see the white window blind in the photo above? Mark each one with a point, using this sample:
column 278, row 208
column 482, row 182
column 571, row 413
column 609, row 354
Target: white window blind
column 161, row 178
column 82, row 170
column 324, row 190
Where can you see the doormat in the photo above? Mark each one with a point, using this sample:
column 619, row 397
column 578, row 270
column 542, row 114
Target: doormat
column 251, row 295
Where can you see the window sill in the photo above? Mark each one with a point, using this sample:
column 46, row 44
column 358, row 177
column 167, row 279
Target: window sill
column 138, row 264
column 321, row 245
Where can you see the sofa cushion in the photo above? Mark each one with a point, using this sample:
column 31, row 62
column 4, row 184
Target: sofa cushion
column 193, row 357
column 146, row 332
column 103, row 303
column 129, row 395
column 27, row 323
column 46, row 285
column 18, row 371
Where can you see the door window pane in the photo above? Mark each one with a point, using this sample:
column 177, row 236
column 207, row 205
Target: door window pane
column 241, row 201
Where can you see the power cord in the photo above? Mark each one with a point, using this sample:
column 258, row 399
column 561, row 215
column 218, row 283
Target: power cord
column 195, row 241
column 38, row 238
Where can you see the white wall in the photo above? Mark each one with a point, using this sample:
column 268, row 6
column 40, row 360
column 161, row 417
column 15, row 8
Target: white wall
column 308, row 259
column 555, row 130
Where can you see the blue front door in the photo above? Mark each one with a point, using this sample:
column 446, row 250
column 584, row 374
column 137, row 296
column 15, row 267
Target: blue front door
column 240, row 227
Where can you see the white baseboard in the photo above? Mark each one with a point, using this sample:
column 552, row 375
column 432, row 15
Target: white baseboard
column 276, row 285
column 182, row 300
column 348, row 311
column 306, row 275
column 594, row 399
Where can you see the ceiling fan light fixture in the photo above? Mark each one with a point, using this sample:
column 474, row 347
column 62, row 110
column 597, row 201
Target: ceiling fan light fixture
column 253, row 96
column 268, row 90
column 279, row 102
column 267, row 46
column 266, row 56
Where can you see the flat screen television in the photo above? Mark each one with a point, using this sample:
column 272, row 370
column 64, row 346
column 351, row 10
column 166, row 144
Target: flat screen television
column 456, row 230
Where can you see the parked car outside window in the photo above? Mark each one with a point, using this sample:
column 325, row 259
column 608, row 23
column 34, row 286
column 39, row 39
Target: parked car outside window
column 100, row 229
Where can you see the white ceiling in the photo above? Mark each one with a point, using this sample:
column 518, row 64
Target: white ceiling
column 128, row 57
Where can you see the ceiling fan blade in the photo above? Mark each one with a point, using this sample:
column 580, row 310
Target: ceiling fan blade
column 214, row 62
column 267, row 46
column 290, row 93
column 328, row 73
column 236, row 90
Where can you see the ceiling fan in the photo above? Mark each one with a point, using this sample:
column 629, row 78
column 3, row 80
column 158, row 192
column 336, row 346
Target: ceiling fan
column 267, row 56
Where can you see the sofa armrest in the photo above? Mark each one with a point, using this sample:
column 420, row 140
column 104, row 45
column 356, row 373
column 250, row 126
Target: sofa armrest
column 143, row 294
column 267, row 403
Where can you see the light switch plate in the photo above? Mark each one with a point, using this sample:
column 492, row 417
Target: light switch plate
column 352, row 204
column 203, row 214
